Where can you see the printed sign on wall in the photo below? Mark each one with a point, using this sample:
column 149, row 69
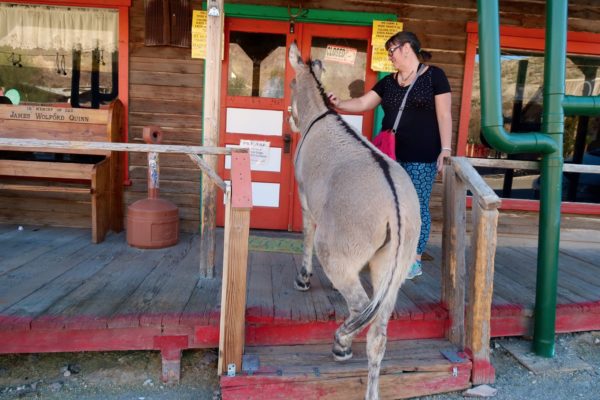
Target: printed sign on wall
column 199, row 34
column 382, row 31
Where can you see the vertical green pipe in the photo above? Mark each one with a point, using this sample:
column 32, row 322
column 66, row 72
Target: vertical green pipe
column 549, row 143
column 551, row 178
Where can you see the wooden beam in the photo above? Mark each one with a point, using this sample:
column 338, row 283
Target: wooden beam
column 235, row 265
column 210, row 128
column 488, row 199
column 481, row 286
column 530, row 165
column 453, row 254
column 19, row 144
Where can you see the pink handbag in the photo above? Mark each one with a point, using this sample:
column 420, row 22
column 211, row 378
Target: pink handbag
column 385, row 141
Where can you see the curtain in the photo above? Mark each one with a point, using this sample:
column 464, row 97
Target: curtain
column 58, row 28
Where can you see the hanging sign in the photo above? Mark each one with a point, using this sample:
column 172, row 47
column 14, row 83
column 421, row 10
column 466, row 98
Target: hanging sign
column 382, row 31
column 259, row 150
column 199, row 34
column 340, row 54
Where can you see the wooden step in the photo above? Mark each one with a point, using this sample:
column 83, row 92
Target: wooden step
column 410, row 368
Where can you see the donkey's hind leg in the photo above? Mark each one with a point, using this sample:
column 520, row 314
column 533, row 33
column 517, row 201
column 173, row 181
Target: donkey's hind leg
column 348, row 284
column 377, row 335
column 302, row 281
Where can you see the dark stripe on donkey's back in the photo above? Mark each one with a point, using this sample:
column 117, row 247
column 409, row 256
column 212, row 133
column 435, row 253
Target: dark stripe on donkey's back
column 364, row 318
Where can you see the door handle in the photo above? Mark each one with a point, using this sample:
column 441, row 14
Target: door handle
column 287, row 142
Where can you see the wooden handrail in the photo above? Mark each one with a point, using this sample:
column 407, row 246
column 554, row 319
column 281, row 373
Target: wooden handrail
column 191, row 151
column 469, row 324
column 530, row 165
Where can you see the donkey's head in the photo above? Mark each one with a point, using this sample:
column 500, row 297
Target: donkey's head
column 308, row 96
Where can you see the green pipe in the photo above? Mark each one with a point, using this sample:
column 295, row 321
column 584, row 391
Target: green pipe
column 548, row 143
column 492, row 124
column 582, row 105
column 551, row 182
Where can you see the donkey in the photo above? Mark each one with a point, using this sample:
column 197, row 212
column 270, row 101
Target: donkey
column 359, row 208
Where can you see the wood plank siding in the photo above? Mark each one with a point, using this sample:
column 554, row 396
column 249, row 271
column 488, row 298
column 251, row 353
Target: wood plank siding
column 166, row 85
column 166, row 89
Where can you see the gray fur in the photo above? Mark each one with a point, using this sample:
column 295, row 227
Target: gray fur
column 359, row 208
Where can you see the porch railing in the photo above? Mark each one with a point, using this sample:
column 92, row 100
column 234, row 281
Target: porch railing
column 469, row 322
column 238, row 203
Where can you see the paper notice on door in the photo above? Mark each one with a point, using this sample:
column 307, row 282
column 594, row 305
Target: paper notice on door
column 340, row 54
column 259, row 151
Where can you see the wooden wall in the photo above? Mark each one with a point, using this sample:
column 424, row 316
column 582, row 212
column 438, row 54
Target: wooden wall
column 165, row 89
column 166, row 86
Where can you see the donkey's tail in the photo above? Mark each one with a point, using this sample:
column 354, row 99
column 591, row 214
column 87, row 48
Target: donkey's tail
column 386, row 293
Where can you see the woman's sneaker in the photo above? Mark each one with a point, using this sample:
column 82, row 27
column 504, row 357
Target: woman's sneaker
column 415, row 270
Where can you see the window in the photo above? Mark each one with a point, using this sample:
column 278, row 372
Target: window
column 522, row 74
column 256, row 64
column 168, row 23
column 58, row 54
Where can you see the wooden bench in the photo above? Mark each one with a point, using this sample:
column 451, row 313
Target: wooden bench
column 63, row 172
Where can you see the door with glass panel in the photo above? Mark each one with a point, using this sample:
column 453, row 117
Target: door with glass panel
column 255, row 97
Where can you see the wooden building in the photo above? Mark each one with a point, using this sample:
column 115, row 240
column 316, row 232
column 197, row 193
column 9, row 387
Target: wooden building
column 139, row 52
column 161, row 84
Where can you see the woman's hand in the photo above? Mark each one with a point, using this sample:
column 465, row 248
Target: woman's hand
column 440, row 160
column 333, row 100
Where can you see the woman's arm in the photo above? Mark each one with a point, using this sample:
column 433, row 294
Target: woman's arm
column 443, row 106
column 368, row 101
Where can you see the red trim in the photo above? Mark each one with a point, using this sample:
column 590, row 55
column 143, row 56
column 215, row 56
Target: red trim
column 77, row 3
column 525, row 39
column 534, row 205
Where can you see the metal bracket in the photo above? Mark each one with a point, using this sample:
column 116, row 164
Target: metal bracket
column 231, row 369
column 452, row 356
column 250, row 363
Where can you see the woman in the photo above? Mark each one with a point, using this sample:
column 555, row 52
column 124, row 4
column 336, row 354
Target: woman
column 424, row 134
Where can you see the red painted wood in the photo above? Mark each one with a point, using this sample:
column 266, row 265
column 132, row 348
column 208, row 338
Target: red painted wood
column 75, row 3
column 241, row 183
column 322, row 332
column 258, row 387
column 171, row 346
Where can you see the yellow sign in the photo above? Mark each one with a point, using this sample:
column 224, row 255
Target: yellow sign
column 382, row 31
column 199, row 34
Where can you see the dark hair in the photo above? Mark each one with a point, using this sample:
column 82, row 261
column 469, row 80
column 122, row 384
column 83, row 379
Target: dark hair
column 408, row 37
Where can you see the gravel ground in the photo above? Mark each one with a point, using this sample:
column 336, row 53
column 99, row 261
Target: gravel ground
column 134, row 375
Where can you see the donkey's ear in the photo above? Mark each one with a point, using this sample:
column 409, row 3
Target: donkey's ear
column 294, row 56
column 317, row 67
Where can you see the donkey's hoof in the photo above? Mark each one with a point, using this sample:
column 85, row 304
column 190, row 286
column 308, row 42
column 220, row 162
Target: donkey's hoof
column 342, row 354
column 301, row 285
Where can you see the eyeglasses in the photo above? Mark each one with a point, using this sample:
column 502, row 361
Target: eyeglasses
column 391, row 50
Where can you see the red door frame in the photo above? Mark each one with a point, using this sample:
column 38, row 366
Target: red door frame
column 288, row 190
column 520, row 39
column 261, row 217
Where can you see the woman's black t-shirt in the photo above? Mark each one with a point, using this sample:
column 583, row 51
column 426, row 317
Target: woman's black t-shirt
column 418, row 135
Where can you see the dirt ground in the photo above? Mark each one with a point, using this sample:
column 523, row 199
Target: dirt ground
column 135, row 375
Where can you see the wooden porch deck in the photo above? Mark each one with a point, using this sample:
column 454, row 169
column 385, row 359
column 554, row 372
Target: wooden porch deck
column 59, row 292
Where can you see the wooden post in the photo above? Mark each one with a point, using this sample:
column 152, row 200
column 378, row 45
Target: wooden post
column 210, row 131
column 235, row 263
column 481, row 278
column 453, row 254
